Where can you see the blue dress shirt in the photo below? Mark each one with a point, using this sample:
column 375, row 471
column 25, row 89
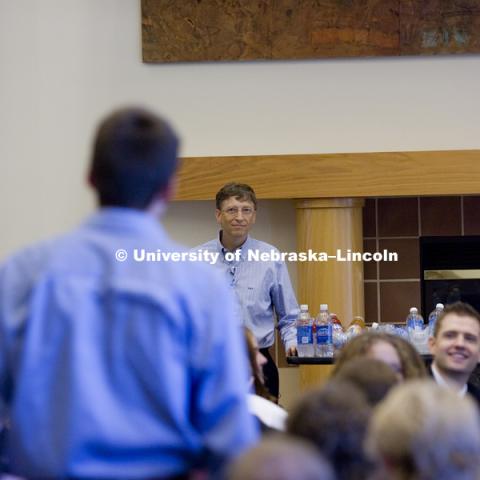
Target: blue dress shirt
column 261, row 287
column 118, row 369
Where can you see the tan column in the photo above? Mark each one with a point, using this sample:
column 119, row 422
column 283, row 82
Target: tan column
column 333, row 226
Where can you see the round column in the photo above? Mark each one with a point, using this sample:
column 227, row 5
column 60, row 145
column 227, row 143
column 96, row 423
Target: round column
column 334, row 227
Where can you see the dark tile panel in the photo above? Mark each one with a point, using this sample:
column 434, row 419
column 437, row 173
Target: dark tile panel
column 440, row 216
column 471, row 215
column 369, row 226
column 371, row 307
column 370, row 268
column 398, row 217
column 396, row 298
column 408, row 264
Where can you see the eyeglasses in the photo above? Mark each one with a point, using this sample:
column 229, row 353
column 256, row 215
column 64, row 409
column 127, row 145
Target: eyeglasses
column 234, row 211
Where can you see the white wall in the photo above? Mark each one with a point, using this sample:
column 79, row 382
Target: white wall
column 63, row 63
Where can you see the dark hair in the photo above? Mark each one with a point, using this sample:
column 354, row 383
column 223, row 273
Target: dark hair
column 241, row 191
column 462, row 309
column 258, row 380
column 335, row 419
column 372, row 377
column 134, row 157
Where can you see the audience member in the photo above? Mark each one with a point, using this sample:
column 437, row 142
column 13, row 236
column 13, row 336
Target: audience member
column 455, row 346
column 114, row 367
column 280, row 457
column 425, row 432
column 373, row 377
column 335, row 419
column 390, row 349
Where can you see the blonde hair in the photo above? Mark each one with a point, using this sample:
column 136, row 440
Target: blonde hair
column 426, row 432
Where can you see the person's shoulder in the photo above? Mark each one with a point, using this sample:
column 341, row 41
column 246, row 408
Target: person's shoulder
column 474, row 391
column 253, row 243
column 30, row 257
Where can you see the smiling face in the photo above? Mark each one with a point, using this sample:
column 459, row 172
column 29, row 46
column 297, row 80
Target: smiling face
column 235, row 217
column 456, row 345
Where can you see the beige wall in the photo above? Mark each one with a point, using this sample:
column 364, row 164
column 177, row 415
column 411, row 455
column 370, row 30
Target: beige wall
column 65, row 62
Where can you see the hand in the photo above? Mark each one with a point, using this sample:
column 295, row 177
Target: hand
column 292, row 352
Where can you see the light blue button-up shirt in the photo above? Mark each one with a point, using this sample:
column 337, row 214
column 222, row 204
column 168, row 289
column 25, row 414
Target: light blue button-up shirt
column 261, row 288
column 118, row 369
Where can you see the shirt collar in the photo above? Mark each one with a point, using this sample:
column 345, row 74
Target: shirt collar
column 443, row 383
column 125, row 219
column 246, row 245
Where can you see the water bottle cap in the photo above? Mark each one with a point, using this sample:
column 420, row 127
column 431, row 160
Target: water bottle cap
column 440, row 306
column 304, row 307
column 414, row 310
column 323, row 306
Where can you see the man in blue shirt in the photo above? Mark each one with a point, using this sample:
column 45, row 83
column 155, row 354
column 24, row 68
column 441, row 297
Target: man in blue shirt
column 260, row 281
column 114, row 361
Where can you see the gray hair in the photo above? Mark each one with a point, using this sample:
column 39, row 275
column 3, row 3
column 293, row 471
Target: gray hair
column 426, row 432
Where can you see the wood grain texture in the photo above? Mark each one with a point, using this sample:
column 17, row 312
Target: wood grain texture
column 324, row 226
column 453, row 172
column 206, row 30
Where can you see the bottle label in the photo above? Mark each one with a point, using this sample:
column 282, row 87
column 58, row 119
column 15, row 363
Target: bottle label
column 304, row 335
column 324, row 334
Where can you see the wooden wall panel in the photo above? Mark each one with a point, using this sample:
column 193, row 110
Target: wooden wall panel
column 206, row 30
column 450, row 172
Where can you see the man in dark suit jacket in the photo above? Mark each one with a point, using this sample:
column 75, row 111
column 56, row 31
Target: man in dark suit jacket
column 455, row 347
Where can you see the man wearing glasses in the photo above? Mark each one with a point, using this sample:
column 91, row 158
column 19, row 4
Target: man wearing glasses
column 261, row 287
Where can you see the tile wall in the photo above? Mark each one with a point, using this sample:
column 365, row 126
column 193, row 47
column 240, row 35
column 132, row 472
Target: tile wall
column 396, row 224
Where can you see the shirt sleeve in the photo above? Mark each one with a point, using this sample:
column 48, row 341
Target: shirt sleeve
column 3, row 344
column 220, row 411
column 286, row 306
column 14, row 280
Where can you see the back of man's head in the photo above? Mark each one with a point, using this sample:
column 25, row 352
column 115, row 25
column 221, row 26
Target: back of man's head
column 424, row 431
column 134, row 158
column 335, row 418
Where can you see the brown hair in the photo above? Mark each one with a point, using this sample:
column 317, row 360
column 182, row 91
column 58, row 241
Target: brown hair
column 359, row 346
column 335, row 419
column 134, row 157
column 462, row 309
column 373, row 377
column 241, row 191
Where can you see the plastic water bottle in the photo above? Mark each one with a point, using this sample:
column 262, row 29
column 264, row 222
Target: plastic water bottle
column 305, row 346
column 324, row 333
column 414, row 320
column 432, row 318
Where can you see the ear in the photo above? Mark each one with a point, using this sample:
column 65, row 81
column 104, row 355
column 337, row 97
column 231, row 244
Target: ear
column 218, row 215
column 170, row 190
